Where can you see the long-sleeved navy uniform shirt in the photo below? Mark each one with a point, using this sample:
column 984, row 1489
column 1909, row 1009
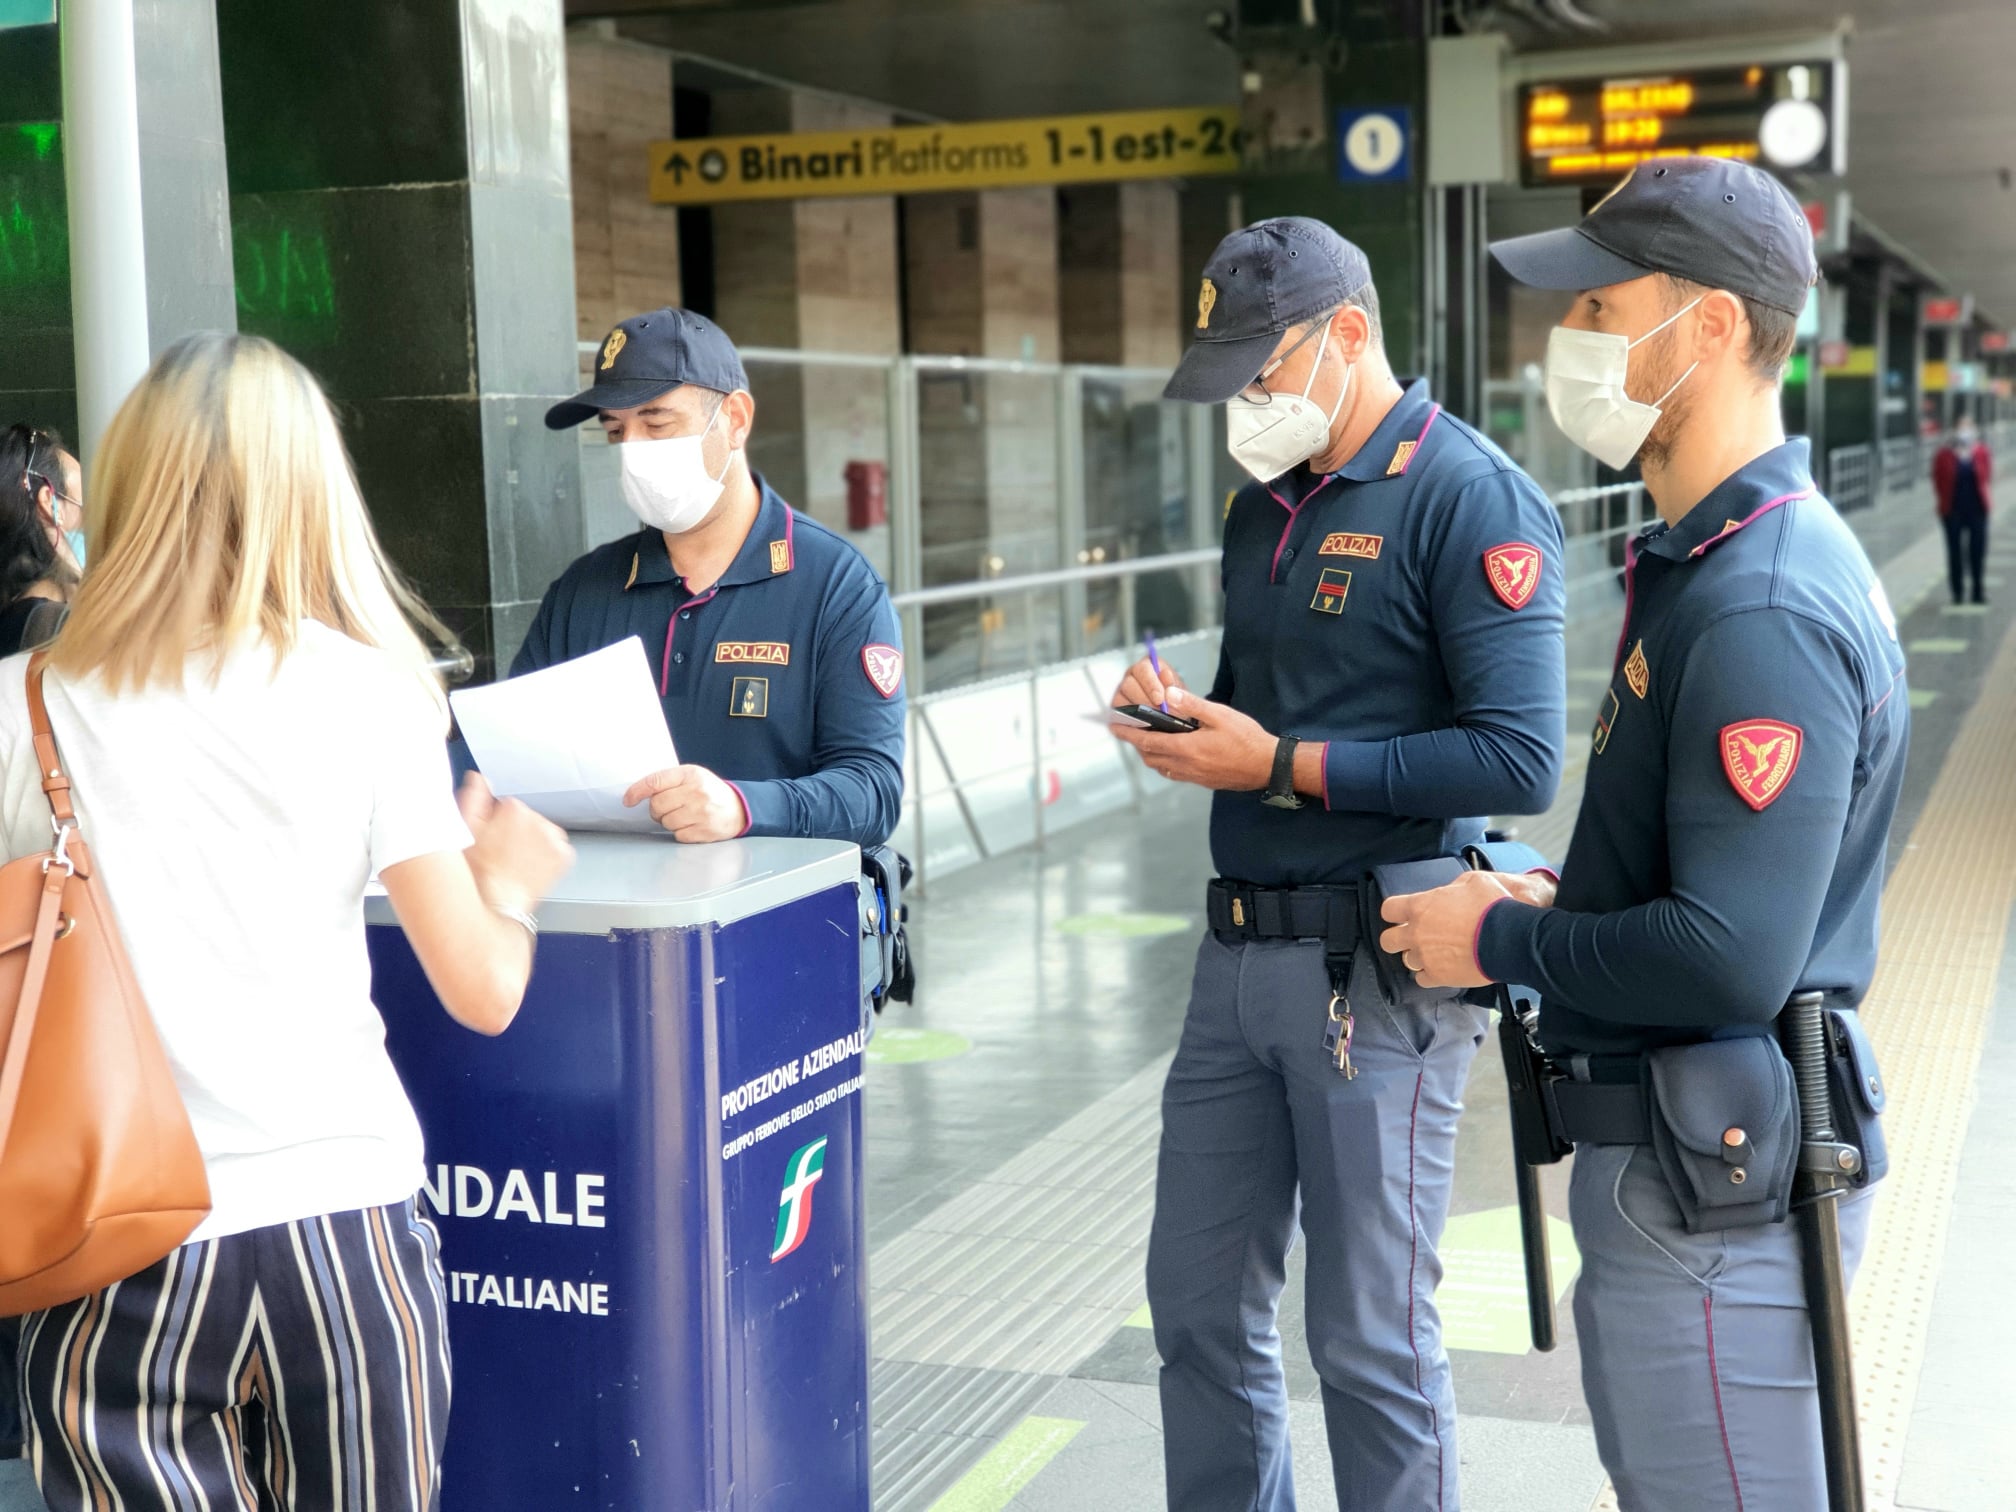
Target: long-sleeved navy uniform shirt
column 1745, row 764
column 785, row 678
column 1406, row 612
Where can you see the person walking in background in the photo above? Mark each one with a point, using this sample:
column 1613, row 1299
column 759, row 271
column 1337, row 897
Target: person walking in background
column 41, row 537
column 1960, row 478
column 253, row 730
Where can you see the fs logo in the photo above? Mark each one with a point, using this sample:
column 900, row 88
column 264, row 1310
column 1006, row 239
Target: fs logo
column 794, row 1204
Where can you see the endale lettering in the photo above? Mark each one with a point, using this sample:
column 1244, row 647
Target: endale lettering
column 468, row 1192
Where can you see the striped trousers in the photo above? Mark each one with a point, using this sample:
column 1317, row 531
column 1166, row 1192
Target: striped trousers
column 297, row 1368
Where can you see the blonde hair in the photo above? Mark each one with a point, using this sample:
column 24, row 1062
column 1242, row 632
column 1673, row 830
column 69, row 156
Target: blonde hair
column 224, row 511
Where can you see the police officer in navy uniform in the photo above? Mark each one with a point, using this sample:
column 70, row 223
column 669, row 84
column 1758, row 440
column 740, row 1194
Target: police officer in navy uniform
column 1391, row 669
column 1744, row 767
column 778, row 658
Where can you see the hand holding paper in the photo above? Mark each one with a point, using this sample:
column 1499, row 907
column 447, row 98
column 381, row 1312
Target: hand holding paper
column 569, row 740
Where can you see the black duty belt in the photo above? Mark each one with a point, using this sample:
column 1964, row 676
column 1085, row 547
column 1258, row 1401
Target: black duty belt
column 1246, row 911
column 1599, row 1112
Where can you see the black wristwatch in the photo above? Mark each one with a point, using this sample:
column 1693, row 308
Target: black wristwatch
column 1281, row 785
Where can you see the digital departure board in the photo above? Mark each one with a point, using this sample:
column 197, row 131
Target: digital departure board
column 1595, row 130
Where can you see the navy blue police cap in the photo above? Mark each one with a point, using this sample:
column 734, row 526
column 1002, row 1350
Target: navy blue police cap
column 1711, row 221
column 1272, row 275
column 652, row 354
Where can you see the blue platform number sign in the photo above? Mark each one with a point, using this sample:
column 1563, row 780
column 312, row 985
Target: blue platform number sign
column 1374, row 144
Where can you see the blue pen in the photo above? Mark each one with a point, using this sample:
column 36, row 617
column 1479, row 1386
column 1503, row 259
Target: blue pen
column 1155, row 662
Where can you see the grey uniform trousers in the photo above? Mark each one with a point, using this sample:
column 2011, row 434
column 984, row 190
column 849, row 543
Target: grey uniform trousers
column 1255, row 1115
column 1697, row 1353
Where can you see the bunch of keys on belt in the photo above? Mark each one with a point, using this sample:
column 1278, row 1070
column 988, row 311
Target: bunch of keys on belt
column 1337, row 1036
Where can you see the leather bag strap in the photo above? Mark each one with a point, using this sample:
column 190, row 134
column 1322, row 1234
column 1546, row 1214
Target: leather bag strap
column 48, row 924
column 55, row 781
column 57, row 870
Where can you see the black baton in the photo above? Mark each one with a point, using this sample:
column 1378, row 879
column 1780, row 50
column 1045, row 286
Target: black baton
column 1533, row 1145
column 1826, row 1169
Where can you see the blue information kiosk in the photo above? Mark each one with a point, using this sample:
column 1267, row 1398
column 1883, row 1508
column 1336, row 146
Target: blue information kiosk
column 649, row 1189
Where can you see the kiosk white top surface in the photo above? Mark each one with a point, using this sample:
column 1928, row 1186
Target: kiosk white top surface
column 653, row 882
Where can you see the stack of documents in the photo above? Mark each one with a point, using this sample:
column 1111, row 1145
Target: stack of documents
column 569, row 741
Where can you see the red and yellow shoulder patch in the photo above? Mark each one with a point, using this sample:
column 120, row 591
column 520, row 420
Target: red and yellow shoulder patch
column 1514, row 572
column 1759, row 756
column 884, row 666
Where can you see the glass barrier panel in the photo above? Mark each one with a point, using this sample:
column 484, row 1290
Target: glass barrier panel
column 987, row 449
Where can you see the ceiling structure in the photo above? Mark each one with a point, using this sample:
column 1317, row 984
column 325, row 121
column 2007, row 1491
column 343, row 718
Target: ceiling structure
column 1932, row 116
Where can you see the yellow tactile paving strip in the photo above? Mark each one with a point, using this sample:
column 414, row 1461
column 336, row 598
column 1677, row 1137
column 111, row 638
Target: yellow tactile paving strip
column 1945, row 914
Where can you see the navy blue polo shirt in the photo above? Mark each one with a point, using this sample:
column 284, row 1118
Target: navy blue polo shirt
column 1407, row 612
column 1744, row 767
column 785, row 677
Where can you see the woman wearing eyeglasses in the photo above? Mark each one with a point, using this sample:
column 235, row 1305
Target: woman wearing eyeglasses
column 41, row 536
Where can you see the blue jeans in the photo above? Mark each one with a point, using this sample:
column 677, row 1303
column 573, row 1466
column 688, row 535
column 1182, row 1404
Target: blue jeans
column 1256, row 1123
column 1697, row 1352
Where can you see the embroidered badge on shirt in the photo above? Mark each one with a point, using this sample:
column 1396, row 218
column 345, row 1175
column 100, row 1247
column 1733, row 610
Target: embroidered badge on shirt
column 615, row 344
column 770, row 653
column 1206, row 298
column 1333, row 586
column 749, row 698
column 780, row 556
column 1636, row 671
column 1760, row 756
column 1402, row 455
column 1342, row 543
column 884, row 666
column 1514, row 570
column 1606, row 721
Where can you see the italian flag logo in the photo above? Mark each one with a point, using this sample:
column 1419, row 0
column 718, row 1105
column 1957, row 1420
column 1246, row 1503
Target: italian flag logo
column 794, row 1205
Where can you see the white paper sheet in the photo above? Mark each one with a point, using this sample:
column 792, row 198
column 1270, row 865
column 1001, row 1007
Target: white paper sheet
column 570, row 740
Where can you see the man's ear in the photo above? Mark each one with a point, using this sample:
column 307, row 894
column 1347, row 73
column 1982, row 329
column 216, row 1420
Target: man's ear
column 1722, row 327
column 738, row 417
column 1351, row 332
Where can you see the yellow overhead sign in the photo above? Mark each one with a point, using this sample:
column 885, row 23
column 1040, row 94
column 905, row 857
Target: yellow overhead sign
column 1081, row 149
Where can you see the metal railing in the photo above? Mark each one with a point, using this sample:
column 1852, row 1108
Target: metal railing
column 454, row 664
column 1851, row 477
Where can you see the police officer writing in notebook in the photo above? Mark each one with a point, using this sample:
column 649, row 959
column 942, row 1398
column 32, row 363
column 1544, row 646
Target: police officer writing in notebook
column 1730, row 850
column 778, row 658
column 1391, row 668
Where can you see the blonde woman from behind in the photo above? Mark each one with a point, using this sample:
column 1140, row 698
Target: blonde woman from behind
column 253, row 731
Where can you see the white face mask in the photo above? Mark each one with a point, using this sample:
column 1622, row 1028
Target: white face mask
column 1585, row 391
column 666, row 483
column 1268, row 439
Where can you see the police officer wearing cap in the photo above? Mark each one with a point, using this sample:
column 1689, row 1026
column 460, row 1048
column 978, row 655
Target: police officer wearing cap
column 1743, row 770
column 1391, row 669
column 778, row 658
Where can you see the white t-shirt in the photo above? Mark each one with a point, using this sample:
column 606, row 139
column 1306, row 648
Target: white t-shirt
column 235, row 828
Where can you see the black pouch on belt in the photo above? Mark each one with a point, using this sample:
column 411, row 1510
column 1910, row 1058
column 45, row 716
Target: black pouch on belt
column 1395, row 881
column 1725, row 1126
column 1858, row 1092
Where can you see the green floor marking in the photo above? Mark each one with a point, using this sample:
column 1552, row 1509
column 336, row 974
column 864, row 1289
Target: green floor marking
column 1938, row 647
column 1123, row 925
column 1964, row 609
column 1482, row 1298
column 1924, row 698
column 1009, row 1466
column 906, row 1047
column 1141, row 1318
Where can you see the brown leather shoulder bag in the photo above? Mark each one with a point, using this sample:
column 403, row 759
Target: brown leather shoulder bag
column 100, row 1175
